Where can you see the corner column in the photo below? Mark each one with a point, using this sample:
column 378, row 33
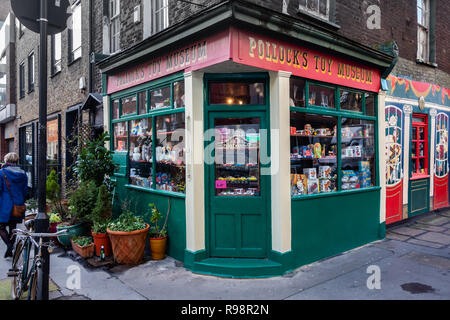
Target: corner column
column 106, row 118
column 381, row 153
column 280, row 164
column 195, row 182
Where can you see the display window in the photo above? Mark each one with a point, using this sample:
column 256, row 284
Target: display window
column 142, row 101
column 441, row 153
column 153, row 137
column 237, row 157
column 236, row 93
column 115, row 109
column 160, row 98
column 313, row 153
column 129, row 105
column 419, row 146
column 331, row 150
column 357, row 153
column 141, row 152
column 120, row 136
column 393, row 145
column 321, row 96
column 170, row 153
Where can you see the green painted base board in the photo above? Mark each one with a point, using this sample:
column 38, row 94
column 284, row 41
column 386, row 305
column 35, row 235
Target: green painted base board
column 5, row 289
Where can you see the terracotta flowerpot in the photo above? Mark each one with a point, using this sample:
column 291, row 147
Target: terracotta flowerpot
column 85, row 252
column 53, row 226
column 158, row 248
column 80, row 229
column 128, row 247
column 102, row 239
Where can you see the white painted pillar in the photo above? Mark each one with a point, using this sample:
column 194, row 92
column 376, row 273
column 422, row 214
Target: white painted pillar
column 106, row 122
column 407, row 111
column 382, row 153
column 280, row 156
column 195, row 195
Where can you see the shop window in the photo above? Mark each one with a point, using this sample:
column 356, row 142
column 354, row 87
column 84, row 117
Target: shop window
column 350, row 100
column 129, row 105
column 142, row 97
column 313, row 153
column 53, row 134
column 370, row 104
column 141, row 152
column 297, row 93
column 237, row 157
column 441, row 157
column 419, row 146
column 178, row 94
column 115, row 109
column 393, row 144
column 120, row 136
column 236, row 93
column 321, row 96
column 170, row 153
column 357, row 153
column 160, row 98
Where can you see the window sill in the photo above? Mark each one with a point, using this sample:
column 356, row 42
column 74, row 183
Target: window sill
column 425, row 176
column 334, row 194
column 30, row 91
column 55, row 74
column 160, row 192
column 73, row 61
column 425, row 63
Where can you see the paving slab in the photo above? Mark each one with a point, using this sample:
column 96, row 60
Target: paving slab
column 446, row 226
column 435, row 237
column 427, row 227
column 447, row 232
column 406, row 231
column 394, row 236
column 425, row 243
column 444, row 213
column 435, row 220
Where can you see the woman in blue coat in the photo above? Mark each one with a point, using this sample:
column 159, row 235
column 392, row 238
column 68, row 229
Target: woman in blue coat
column 18, row 185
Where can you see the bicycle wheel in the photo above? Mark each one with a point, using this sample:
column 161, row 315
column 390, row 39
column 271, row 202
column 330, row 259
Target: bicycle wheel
column 18, row 267
column 33, row 284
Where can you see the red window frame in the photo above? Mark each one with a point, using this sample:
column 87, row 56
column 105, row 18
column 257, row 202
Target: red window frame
column 416, row 126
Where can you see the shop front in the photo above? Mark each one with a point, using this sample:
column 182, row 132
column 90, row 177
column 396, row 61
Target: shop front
column 262, row 147
column 416, row 141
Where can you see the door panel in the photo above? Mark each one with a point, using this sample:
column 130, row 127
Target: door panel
column 237, row 189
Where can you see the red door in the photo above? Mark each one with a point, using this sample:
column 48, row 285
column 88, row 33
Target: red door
column 441, row 172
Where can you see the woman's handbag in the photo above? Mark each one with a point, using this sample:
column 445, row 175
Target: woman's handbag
column 17, row 211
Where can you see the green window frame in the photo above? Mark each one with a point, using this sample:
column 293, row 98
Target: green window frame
column 149, row 114
column 339, row 114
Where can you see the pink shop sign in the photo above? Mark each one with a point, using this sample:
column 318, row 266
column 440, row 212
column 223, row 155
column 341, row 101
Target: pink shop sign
column 199, row 54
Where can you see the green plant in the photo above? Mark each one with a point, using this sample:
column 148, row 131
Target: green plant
column 155, row 230
column 82, row 241
column 82, row 201
column 127, row 222
column 102, row 211
column 54, row 218
column 100, row 227
column 94, row 161
column 32, row 205
column 53, row 193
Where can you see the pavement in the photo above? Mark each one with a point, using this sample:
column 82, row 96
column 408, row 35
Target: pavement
column 412, row 262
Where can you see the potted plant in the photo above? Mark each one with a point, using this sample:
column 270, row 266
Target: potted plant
column 128, row 234
column 54, row 220
column 83, row 246
column 32, row 207
column 53, row 194
column 81, row 203
column 100, row 217
column 158, row 235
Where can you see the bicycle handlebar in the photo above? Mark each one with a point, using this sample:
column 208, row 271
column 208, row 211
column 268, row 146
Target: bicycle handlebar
column 39, row 235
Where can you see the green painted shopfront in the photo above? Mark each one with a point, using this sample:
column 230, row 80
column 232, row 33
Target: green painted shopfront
column 257, row 132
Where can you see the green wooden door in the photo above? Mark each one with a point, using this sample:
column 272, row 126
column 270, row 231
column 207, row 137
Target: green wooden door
column 238, row 181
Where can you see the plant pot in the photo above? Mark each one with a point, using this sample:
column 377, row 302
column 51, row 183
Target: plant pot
column 102, row 239
column 84, row 252
column 128, row 247
column 53, row 226
column 158, row 248
column 77, row 230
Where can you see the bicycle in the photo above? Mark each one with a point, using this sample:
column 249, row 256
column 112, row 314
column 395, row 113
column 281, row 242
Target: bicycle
column 25, row 271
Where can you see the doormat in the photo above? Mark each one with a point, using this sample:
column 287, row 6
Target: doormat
column 97, row 262
column 5, row 289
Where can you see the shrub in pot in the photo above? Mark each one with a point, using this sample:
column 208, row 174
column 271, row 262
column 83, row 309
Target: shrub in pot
column 128, row 234
column 55, row 203
column 100, row 217
column 158, row 235
column 81, row 203
column 83, row 246
column 54, row 220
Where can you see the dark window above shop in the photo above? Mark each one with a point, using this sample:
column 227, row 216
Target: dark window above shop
column 236, row 93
